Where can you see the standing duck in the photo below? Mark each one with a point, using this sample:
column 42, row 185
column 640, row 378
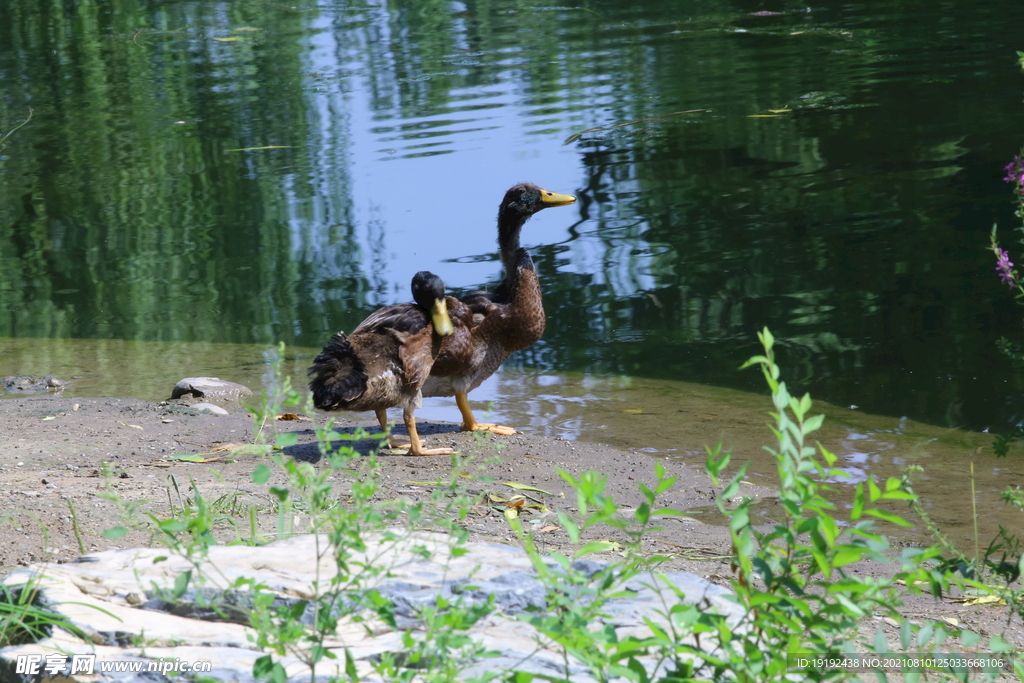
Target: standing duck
column 387, row 358
column 508, row 319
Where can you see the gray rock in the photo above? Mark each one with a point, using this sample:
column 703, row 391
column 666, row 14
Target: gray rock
column 124, row 601
column 28, row 384
column 209, row 408
column 210, row 388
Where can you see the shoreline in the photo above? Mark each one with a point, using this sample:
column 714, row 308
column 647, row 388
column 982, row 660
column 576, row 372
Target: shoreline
column 56, row 453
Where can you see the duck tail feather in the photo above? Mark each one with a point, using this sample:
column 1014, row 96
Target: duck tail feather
column 338, row 376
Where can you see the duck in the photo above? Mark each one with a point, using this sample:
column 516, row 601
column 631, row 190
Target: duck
column 386, row 359
column 509, row 319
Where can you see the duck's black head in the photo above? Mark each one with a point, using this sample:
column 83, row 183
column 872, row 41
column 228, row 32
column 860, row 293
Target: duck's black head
column 428, row 292
column 521, row 202
column 526, row 199
column 427, row 288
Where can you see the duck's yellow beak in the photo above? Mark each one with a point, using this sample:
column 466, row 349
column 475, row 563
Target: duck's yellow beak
column 548, row 198
column 440, row 319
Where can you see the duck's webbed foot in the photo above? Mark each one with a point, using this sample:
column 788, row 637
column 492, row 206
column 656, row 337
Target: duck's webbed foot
column 469, row 423
column 487, row 426
column 415, row 445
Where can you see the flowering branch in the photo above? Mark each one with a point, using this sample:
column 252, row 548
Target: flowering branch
column 1004, row 267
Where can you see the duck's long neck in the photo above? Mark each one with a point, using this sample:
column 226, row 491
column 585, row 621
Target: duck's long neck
column 521, row 289
column 510, row 224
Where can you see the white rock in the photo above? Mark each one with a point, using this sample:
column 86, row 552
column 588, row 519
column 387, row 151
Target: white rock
column 209, row 408
column 102, row 593
column 210, row 388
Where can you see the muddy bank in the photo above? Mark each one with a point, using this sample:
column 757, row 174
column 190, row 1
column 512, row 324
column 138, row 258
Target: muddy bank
column 55, row 450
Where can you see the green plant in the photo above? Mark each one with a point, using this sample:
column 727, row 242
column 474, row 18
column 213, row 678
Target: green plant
column 574, row 620
column 343, row 522
column 444, row 650
column 24, row 620
column 791, row 580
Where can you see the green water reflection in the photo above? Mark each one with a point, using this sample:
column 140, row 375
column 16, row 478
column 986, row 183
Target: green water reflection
column 250, row 172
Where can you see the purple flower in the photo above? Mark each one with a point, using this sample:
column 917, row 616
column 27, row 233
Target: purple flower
column 1015, row 171
column 1004, row 267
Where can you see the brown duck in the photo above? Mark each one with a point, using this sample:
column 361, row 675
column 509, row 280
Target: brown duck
column 387, row 358
column 506, row 320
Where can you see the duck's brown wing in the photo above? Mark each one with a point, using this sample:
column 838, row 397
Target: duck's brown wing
column 454, row 354
column 518, row 324
column 416, row 356
column 482, row 302
column 406, row 318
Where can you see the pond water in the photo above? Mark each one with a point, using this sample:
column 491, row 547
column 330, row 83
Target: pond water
column 204, row 176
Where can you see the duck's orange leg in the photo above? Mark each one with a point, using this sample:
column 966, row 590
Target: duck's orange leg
column 469, row 423
column 382, row 419
column 416, row 447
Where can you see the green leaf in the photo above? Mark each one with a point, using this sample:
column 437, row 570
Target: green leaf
column 571, row 528
column 350, row 665
column 740, row 518
column 829, row 529
column 265, row 668
column 823, row 564
column 829, row 457
column 186, row 457
column 643, row 513
column 595, row 547
column 181, row 582
column 881, row 645
column 999, row 645
column 889, row 517
column 925, row 633
column 898, row 495
column 114, row 532
column 846, row 555
column 858, row 502
column 286, row 439
column 665, row 483
column 525, row 487
column 753, row 360
column 906, row 635
column 261, row 474
column 813, row 424
column 805, row 405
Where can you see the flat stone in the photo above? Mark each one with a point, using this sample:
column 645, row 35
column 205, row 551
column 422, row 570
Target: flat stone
column 209, row 408
column 210, row 388
column 122, row 599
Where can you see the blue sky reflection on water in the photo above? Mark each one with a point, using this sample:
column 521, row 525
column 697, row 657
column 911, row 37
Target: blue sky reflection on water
column 434, row 207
